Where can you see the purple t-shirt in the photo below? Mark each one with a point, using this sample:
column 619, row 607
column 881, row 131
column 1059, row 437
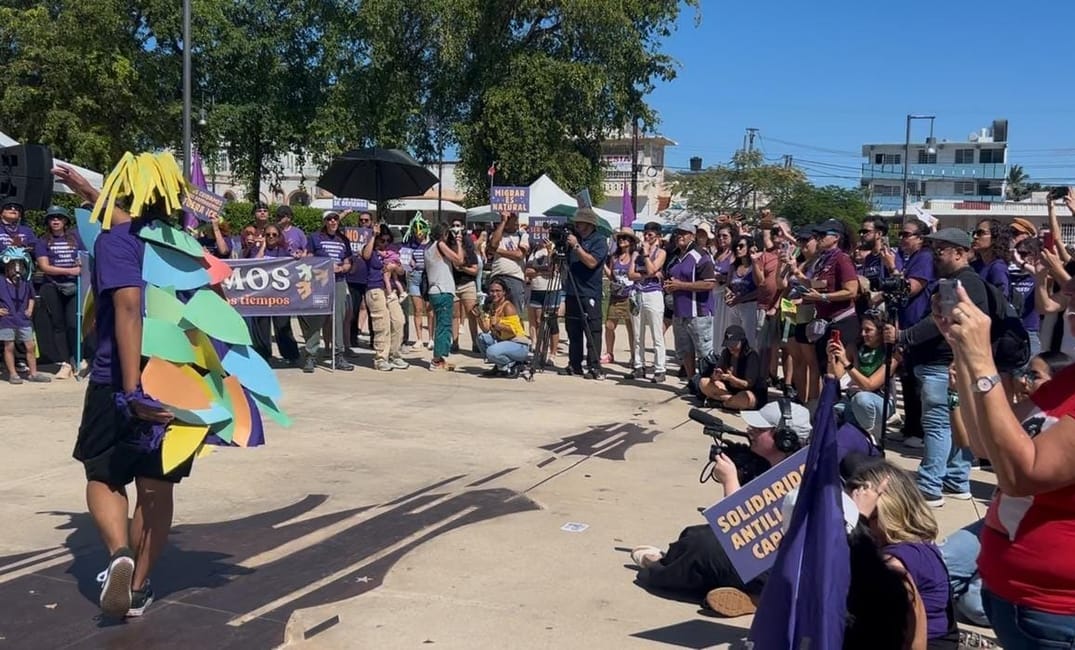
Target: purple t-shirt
column 117, row 264
column 918, row 266
column 15, row 298
column 20, row 236
column 925, row 566
column 294, row 239
column 375, row 267
column 319, row 244
column 358, row 237
column 994, row 273
column 1021, row 296
column 61, row 253
column 692, row 266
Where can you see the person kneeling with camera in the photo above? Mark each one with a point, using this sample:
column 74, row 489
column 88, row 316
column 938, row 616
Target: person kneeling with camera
column 502, row 339
column 696, row 564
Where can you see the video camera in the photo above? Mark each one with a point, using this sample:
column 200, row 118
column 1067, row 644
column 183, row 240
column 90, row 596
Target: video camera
column 897, row 292
column 558, row 233
column 748, row 464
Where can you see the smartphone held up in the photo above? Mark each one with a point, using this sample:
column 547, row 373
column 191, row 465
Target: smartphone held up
column 947, row 296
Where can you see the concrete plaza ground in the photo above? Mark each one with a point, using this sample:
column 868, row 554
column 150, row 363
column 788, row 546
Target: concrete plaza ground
column 401, row 510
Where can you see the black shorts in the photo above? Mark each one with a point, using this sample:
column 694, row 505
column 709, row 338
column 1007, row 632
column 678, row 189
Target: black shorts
column 108, row 447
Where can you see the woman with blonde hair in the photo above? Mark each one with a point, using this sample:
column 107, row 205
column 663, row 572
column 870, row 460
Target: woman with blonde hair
column 905, row 531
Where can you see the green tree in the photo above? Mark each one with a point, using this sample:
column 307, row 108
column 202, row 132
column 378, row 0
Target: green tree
column 1017, row 181
column 739, row 186
column 82, row 78
column 808, row 204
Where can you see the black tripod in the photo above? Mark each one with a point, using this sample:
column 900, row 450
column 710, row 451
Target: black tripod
column 891, row 317
column 559, row 271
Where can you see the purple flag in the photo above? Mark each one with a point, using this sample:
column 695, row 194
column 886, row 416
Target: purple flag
column 804, row 603
column 197, row 179
column 627, row 211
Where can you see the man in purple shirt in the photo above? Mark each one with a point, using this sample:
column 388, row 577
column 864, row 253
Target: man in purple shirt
column 914, row 261
column 115, row 413
column 294, row 238
column 691, row 280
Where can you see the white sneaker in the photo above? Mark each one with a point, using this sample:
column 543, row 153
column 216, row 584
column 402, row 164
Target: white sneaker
column 958, row 496
column 65, row 372
column 382, row 365
column 116, row 584
column 398, row 363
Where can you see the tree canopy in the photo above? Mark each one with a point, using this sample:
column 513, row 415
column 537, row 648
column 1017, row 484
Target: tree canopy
column 532, row 85
column 808, row 204
column 738, row 186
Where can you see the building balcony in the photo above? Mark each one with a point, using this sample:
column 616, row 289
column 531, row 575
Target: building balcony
column 896, row 202
column 985, row 172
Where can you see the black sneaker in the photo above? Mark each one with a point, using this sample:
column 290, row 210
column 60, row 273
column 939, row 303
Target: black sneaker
column 309, row 365
column 596, row 375
column 933, row 500
column 658, row 378
column 958, row 495
column 140, row 600
column 116, row 584
column 638, row 373
column 568, row 370
column 343, row 364
column 682, row 373
column 455, row 347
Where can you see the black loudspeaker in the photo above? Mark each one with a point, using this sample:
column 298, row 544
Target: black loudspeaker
column 26, row 175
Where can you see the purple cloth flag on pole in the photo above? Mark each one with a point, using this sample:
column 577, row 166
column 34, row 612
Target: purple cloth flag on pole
column 804, row 604
column 197, row 179
column 627, row 211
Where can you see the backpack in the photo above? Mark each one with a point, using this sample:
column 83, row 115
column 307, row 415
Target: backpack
column 1010, row 340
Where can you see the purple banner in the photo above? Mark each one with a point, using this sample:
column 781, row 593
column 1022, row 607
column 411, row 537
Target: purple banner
column 748, row 523
column 509, row 199
column 281, row 286
column 538, row 228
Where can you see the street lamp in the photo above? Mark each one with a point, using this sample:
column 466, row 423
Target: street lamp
column 907, row 154
column 186, row 89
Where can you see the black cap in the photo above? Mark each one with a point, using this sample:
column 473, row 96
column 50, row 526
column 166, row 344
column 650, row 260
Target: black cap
column 652, row 226
column 284, row 211
column 734, row 333
column 259, row 205
column 12, row 202
column 831, row 226
column 805, row 232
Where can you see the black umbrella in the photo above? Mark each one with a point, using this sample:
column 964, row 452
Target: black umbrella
column 376, row 174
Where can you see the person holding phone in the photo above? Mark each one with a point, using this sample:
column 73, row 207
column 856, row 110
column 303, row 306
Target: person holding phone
column 944, row 471
column 866, row 376
column 738, row 381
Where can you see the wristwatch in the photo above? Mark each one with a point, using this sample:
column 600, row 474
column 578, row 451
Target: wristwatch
column 986, row 384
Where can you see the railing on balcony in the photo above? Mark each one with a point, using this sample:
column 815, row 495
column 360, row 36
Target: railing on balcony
column 896, row 202
column 986, row 171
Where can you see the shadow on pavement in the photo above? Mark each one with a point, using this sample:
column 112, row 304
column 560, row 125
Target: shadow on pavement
column 695, row 634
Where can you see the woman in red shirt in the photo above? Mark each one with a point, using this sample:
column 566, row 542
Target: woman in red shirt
column 1026, row 565
column 833, row 289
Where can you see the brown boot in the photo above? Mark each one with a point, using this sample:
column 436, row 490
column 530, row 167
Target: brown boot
column 730, row 602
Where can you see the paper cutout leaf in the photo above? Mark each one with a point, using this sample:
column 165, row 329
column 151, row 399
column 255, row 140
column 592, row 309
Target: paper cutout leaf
column 266, row 405
column 254, row 374
column 180, row 443
column 257, row 428
column 165, row 267
column 87, row 230
column 205, row 355
column 219, row 271
column 177, row 386
column 163, row 305
column 241, row 420
column 215, row 414
column 213, row 315
column 165, row 340
column 167, row 235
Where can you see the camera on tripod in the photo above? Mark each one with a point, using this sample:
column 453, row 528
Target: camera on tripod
column 558, row 233
column 896, row 291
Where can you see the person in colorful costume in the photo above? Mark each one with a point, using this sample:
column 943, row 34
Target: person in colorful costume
column 174, row 370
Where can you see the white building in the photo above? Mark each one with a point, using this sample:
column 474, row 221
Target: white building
column 975, row 169
column 965, row 215
column 654, row 194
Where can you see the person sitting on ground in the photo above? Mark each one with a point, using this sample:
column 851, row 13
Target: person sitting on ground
column 502, row 339
column 738, row 381
column 696, row 565
column 905, row 531
column 866, row 378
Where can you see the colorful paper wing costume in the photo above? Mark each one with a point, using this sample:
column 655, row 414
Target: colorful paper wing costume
column 199, row 361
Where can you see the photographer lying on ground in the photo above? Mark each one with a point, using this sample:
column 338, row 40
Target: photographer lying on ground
column 695, row 564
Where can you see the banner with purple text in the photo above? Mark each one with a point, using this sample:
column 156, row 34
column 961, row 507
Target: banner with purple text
column 538, row 228
column 281, row 286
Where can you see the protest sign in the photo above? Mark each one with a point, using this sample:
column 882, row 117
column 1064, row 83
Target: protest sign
column 357, row 238
column 281, row 286
column 340, row 203
column 509, row 199
column 203, row 204
column 538, row 228
column 748, row 523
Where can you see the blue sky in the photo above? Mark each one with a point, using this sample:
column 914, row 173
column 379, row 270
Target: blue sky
column 831, row 75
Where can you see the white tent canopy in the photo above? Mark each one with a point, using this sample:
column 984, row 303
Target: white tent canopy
column 96, row 179
column 545, row 195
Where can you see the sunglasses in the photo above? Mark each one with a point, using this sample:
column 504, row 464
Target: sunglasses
column 981, row 233
column 332, row 218
column 905, row 235
column 740, row 246
column 272, row 234
column 363, row 220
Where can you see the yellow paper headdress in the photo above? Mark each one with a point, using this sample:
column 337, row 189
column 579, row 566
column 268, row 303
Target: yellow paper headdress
column 143, row 181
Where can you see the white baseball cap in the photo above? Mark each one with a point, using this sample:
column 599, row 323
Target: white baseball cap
column 769, row 418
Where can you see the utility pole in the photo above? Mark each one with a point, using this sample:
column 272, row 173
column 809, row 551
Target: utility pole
column 186, row 90
column 751, row 134
column 788, row 158
column 634, row 166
